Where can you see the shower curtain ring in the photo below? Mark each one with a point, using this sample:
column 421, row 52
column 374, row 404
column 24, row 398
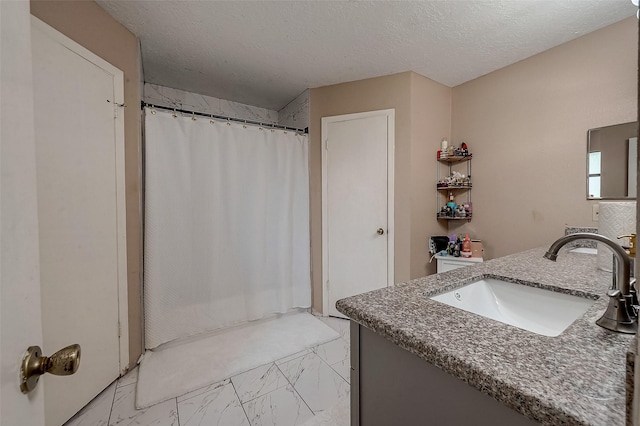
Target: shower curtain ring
column 211, row 120
column 244, row 126
column 193, row 116
column 175, row 115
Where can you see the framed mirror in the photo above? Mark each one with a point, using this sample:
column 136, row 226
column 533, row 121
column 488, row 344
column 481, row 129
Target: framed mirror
column 612, row 154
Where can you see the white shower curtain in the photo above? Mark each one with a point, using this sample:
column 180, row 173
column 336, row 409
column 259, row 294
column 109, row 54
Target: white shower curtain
column 226, row 224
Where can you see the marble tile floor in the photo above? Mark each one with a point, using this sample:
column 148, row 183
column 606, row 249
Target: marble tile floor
column 294, row 390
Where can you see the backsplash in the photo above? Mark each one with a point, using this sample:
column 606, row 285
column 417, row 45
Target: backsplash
column 296, row 113
column 581, row 243
column 169, row 97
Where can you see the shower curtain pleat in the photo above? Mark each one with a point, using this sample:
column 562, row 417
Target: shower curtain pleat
column 226, row 225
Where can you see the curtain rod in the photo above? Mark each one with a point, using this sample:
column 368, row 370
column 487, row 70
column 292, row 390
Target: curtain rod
column 221, row 117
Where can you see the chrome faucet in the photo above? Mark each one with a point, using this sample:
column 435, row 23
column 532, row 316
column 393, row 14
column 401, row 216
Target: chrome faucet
column 621, row 314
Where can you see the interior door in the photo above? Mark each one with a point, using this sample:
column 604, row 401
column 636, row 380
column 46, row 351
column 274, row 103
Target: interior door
column 358, row 244
column 80, row 205
column 20, row 325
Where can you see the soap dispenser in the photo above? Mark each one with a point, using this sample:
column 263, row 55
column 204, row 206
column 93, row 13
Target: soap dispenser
column 466, row 246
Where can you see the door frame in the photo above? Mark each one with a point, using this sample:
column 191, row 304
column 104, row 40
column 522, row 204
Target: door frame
column 118, row 106
column 390, row 115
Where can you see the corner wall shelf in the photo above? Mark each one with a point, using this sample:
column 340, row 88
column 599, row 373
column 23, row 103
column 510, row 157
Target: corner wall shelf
column 455, row 218
column 455, row 159
column 454, row 189
column 447, row 188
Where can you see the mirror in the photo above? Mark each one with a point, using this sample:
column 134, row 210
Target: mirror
column 612, row 154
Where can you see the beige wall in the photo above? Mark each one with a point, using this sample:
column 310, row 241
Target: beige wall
column 359, row 96
column 89, row 25
column 430, row 122
column 422, row 118
column 526, row 126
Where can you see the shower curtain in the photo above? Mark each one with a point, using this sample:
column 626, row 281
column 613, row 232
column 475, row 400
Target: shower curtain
column 226, row 224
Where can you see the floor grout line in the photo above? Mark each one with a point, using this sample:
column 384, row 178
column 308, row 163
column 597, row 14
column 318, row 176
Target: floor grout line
column 259, row 396
column 241, row 403
column 296, row 391
column 339, row 375
column 175, row 400
column 113, row 400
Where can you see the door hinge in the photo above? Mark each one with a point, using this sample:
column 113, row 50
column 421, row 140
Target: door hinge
column 326, row 144
column 119, row 329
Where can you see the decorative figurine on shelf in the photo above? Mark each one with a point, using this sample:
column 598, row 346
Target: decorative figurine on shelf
column 444, row 146
column 446, row 211
column 456, row 179
column 448, row 150
column 464, row 149
column 451, row 152
column 451, row 247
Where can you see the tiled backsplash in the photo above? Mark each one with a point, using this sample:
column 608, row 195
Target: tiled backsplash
column 581, row 243
column 168, row 97
column 296, row 113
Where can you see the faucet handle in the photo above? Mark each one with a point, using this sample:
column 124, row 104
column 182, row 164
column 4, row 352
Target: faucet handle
column 631, row 307
column 614, row 292
column 633, row 292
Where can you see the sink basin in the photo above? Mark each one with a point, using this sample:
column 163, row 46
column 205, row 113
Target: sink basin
column 537, row 310
column 586, row 250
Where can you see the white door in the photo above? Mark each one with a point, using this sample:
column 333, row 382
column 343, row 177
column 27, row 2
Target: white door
column 20, row 325
column 79, row 169
column 357, row 205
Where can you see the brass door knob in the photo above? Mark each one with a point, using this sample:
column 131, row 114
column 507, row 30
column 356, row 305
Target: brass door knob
column 62, row 363
column 380, row 231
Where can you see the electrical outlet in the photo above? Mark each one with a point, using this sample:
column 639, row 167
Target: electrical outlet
column 595, row 213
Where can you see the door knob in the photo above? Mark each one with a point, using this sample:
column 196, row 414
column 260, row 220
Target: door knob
column 62, row 363
column 380, row 231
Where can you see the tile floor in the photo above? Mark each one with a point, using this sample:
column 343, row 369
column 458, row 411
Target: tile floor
column 301, row 388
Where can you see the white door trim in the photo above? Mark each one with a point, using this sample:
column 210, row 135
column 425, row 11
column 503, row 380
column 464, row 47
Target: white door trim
column 390, row 114
column 118, row 102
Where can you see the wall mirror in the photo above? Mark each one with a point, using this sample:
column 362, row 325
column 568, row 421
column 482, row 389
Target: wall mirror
column 612, row 154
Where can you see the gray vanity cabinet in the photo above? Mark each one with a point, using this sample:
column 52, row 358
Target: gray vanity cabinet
column 391, row 386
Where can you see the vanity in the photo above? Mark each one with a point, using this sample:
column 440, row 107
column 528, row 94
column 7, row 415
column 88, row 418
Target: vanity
column 418, row 361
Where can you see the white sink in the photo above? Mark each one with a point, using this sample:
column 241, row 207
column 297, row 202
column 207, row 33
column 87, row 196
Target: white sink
column 537, row 310
column 586, row 250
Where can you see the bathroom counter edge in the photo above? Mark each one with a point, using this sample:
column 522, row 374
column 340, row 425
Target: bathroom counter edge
column 576, row 378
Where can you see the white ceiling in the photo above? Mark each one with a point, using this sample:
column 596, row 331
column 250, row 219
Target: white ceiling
column 265, row 53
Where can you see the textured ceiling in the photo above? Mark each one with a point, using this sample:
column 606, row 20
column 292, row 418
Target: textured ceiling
column 265, row 53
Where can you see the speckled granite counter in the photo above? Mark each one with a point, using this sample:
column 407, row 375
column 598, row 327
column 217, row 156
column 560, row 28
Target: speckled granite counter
column 577, row 378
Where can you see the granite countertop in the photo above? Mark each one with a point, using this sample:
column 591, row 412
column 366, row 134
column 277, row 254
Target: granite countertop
column 576, row 378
